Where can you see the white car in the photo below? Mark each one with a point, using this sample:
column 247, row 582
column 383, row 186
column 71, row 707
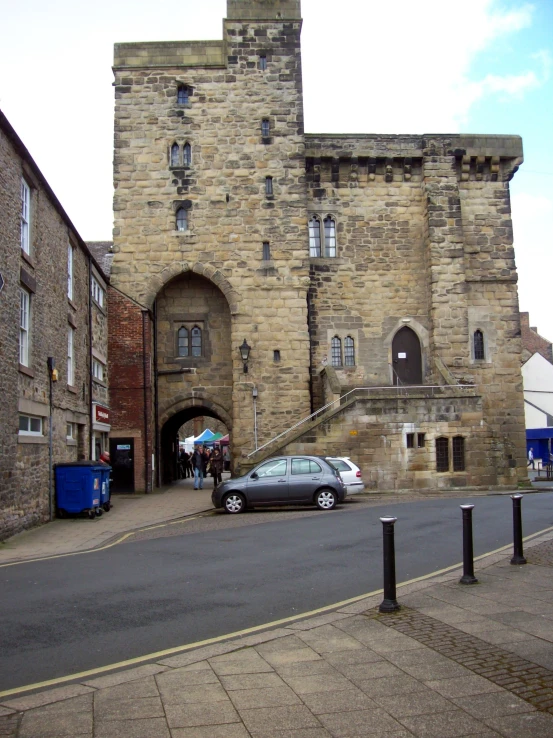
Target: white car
column 350, row 473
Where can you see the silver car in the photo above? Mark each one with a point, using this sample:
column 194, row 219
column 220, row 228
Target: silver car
column 284, row 480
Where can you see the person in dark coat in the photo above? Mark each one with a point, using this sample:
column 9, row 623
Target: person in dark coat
column 199, row 466
column 184, row 464
column 216, row 466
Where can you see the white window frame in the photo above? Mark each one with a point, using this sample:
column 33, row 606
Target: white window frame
column 70, row 356
column 70, row 259
column 24, row 326
column 97, row 292
column 70, row 431
column 30, row 418
column 25, row 217
column 98, row 370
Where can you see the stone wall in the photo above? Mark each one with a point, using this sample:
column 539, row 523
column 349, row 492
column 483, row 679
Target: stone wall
column 25, row 389
column 223, row 191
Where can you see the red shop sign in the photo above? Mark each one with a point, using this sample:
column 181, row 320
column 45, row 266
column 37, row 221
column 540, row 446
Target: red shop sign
column 102, row 414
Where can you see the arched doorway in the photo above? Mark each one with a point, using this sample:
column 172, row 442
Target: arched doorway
column 406, row 357
column 169, row 437
column 194, row 368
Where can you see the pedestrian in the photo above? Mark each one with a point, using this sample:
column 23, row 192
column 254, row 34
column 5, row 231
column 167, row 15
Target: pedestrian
column 188, row 471
column 531, row 457
column 198, row 464
column 216, row 466
column 183, row 464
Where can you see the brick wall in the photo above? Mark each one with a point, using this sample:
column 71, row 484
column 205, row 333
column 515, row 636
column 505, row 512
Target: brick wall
column 532, row 342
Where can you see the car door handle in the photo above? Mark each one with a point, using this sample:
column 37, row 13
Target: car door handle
column 282, row 481
column 315, row 478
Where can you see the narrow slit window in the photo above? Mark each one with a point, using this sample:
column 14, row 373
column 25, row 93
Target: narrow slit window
column 187, row 155
column 410, row 440
column 479, row 354
column 421, row 440
column 266, row 251
column 265, row 128
column 263, row 62
column 183, row 95
column 182, row 341
column 276, row 355
column 314, row 237
column 336, row 351
column 70, row 256
column 175, row 155
column 196, row 341
column 330, row 236
column 442, row 454
column 268, row 185
column 458, row 454
column 182, row 220
column 349, row 351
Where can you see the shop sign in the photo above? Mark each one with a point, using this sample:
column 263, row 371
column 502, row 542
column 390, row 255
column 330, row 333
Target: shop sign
column 101, row 414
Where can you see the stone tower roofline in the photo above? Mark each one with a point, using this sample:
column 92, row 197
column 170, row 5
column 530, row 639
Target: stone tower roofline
column 268, row 10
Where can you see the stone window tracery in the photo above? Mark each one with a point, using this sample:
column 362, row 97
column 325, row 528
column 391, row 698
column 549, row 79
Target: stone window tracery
column 322, row 233
column 190, row 342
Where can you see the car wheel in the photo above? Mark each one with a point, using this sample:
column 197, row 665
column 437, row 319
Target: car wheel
column 234, row 503
column 326, row 499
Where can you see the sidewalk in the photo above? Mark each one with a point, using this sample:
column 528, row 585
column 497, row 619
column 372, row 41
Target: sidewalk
column 129, row 512
column 454, row 661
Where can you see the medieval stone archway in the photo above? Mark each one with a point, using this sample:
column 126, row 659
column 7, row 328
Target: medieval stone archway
column 170, row 423
column 193, row 360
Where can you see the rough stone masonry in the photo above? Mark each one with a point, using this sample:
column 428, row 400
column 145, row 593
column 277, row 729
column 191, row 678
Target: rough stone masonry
column 379, row 266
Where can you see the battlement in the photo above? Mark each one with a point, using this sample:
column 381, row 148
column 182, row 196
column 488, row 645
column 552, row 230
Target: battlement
column 160, row 54
column 263, row 10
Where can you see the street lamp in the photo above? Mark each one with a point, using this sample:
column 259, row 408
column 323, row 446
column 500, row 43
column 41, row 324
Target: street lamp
column 245, row 354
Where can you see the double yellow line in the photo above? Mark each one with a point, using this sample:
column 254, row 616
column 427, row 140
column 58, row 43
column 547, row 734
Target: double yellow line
column 238, row 634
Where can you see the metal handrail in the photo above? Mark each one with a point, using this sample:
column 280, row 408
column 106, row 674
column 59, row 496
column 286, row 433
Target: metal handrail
column 355, row 390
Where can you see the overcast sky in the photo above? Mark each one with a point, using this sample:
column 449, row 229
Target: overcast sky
column 401, row 66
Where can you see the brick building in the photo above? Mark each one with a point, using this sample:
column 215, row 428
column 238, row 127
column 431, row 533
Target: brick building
column 52, row 302
column 375, row 269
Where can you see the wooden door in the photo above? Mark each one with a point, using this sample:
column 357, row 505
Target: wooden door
column 406, row 357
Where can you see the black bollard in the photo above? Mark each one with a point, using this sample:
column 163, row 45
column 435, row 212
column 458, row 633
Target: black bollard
column 468, row 556
column 389, row 603
column 518, row 554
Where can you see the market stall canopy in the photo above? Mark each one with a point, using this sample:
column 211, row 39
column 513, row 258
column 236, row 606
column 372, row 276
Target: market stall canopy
column 204, row 437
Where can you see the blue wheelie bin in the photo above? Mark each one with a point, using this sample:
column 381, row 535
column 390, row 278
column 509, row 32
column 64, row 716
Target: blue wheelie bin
column 79, row 487
column 105, row 497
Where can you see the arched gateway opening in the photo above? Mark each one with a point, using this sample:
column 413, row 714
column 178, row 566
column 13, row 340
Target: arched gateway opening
column 169, row 436
column 193, row 361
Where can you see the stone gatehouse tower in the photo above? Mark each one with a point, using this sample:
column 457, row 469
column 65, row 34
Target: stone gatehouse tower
column 379, row 268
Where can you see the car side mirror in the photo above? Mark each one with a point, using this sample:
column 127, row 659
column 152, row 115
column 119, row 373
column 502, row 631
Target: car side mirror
column 254, row 476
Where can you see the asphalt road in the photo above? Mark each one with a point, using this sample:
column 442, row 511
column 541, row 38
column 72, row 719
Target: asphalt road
column 67, row 615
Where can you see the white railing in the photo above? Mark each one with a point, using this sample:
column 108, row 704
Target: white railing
column 343, row 398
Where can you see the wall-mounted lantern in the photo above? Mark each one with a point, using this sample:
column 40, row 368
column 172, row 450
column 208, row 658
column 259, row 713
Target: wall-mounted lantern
column 245, row 354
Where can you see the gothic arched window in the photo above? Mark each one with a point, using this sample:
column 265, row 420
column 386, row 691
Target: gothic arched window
column 182, row 220
column 175, row 155
column 336, row 351
column 330, row 236
column 314, row 236
column 196, row 341
column 187, row 155
column 478, row 340
column 182, row 342
column 349, row 351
